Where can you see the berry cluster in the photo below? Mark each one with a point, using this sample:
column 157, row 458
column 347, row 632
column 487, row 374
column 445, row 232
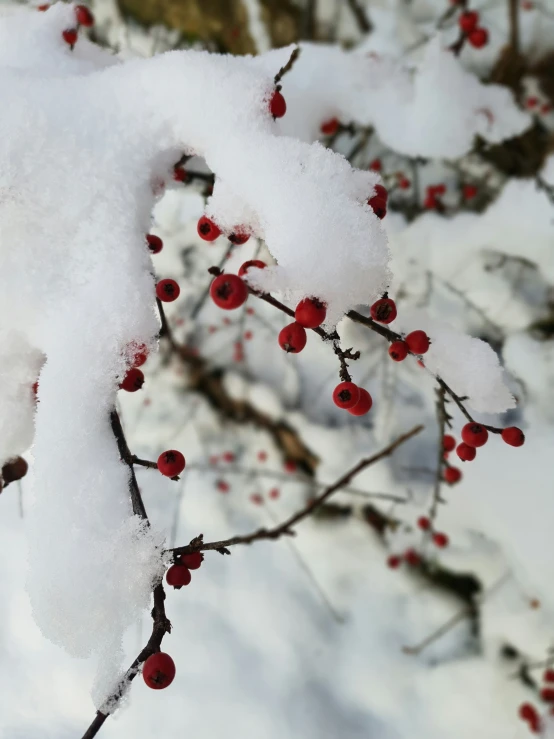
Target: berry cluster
column 433, row 195
column 476, row 35
column 83, row 17
column 356, row 400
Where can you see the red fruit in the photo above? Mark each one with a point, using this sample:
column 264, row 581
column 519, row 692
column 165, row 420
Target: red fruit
column 330, row 127
column 452, row 475
column 256, row 498
column 532, row 102
column 292, row 338
column 513, row 436
column 155, row 244
column 393, row 561
column 412, row 557
column 439, row 189
column 84, row 16
column 251, row 263
column 440, row 540
column 138, row 354
column 466, row 452
column 547, row 695
column 34, row 388
column 158, row 671
column 469, row 192
column 310, row 312
column 228, row 292
column 424, row 523
column 376, row 165
column 381, row 192
column 177, row 576
column 430, row 202
column 290, row 466
column 274, row 493
column 70, row 36
column 262, row 456
column 133, row 381
column 44, row 7
column 448, row 443
column 346, row 395
column 383, row 310
column 171, row 463
column 478, row 38
column 192, row 561
column 248, row 335
column 167, row 291
column 223, row 486
column 548, row 676
column 207, row 229
column 238, row 238
column 228, row 457
column 180, row 174
column 379, row 206
column 529, row 713
column 468, row 21
column 398, row 351
column 404, row 183
column 363, row 405
column 475, row 434
column 418, row 342
column 277, row 105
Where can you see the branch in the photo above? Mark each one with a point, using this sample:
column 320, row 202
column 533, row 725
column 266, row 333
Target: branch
column 127, row 457
column 513, row 14
column 288, row 66
column 362, row 18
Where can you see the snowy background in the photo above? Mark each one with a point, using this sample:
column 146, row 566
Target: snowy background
column 316, row 635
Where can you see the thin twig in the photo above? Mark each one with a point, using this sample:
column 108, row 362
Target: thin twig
column 362, row 19
column 127, row 457
column 288, row 66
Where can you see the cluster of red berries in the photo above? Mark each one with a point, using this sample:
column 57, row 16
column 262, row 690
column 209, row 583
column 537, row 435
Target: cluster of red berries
column 310, row 313
column 416, row 342
column 411, row 557
column 137, row 354
column 356, row 400
column 208, row 230
column 534, row 104
column 528, row 712
column 469, row 25
column 166, row 290
column 178, row 575
column 433, row 196
column 83, row 17
column 439, row 539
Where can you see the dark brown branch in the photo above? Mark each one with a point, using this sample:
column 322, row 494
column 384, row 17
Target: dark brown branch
column 513, row 16
column 442, row 418
column 285, row 528
column 362, row 18
column 127, row 457
column 288, row 66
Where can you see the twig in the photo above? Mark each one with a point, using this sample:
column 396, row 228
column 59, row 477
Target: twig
column 288, row 66
column 362, row 19
column 443, row 418
column 513, row 15
column 445, row 628
column 127, row 457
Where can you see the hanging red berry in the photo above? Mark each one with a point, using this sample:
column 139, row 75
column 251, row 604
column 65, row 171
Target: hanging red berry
column 70, row 36
column 158, row 671
column 330, row 127
column 513, row 436
column 381, row 192
column 466, row 452
column 363, row 405
column 177, row 576
column 468, row 20
column 155, row 244
column 398, row 351
column 84, row 16
column 412, row 557
column 207, row 229
column 277, row 105
column 452, row 475
column 346, row 395
column 478, row 38
column 238, row 237
column 251, row 263
column 378, row 205
column 180, row 174
column 424, row 523
column 418, row 342
column 171, row 463
column 475, row 434
column 448, row 443
column 192, row 560
column 393, row 561
column 383, row 310
column 440, row 540
column 133, row 380
column 547, row 695
column 293, row 338
column 310, row 312
column 469, row 192
column 228, row 292
column 404, row 183
column 376, row 165
column 167, row 290
column 138, row 354
column 548, row 675
column 529, row 713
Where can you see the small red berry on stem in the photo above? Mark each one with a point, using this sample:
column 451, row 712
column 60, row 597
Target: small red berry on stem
column 138, row 354
column 468, row 21
column 547, row 695
column 469, row 192
column 448, row 443
column 43, row 7
column 292, row 338
column 133, row 380
column 474, row 434
column 398, row 351
column 452, row 475
column 330, row 127
column 256, row 498
column 192, row 560
column 167, row 291
column 171, row 463
column 363, row 405
column 70, row 36
column 228, row 292
column 478, row 38
column 548, row 675
column 378, row 205
column 207, row 229
column 346, row 395
column 310, row 312
column 404, row 183
column 393, row 561
column 412, row 557
column 155, row 244
column 277, row 105
column 177, row 576
column 251, row 263
column 466, row 452
column 376, row 165
column 179, row 174
column 424, row 523
column 418, row 342
column 238, row 238
column 381, row 192
column 513, row 436
column 158, row 671
column 440, row 540
column 84, row 16
column 383, row 310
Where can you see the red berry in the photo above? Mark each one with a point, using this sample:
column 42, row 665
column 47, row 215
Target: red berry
column 192, row 560
column 228, row 292
column 177, row 576
column 404, row 183
column 256, row 498
column 383, row 310
column 290, row 466
column 277, row 105
column 363, row 405
column 171, row 463
column 223, row 486
column 133, row 381
column 70, row 36
column 262, row 456
column 274, row 493
column 330, row 127
column 379, row 206
column 398, row 351
column 310, row 312
column 440, row 540
column 207, row 229
column 513, row 436
column 532, row 102
column 439, row 189
column 228, row 457
column 43, row 7
column 293, row 338
column 238, row 238
column 468, row 21
column 167, row 291
column 466, row 452
column 381, row 192
column 548, row 676
column 393, row 561
column 469, row 192
column 34, row 388
column 452, row 475
column 475, row 434
column 180, row 174
column 376, row 165
column 418, row 342
column 84, row 16
column 478, row 38
column 529, row 713
column 448, row 443
column 424, row 523
column 158, row 671
column 346, row 395
column 138, row 354
column 547, row 695
column 155, row 244
column 251, row 263
column 430, row 202
column 412, row 557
